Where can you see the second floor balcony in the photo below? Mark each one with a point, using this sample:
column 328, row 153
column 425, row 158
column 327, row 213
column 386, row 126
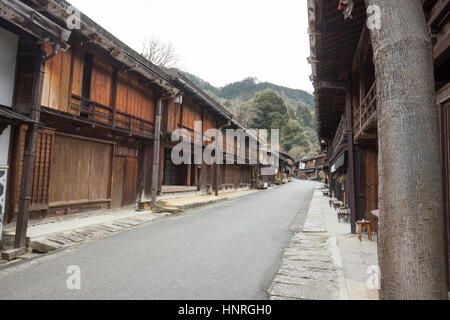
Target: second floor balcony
column 339, row 138
column 365, row 117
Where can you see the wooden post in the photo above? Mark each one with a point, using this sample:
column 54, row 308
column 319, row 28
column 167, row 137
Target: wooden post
column 188, row 176
column 114, row 96
column 30, row 152
column 156, row 151
column 216, row 179
column 196, row 180
column 350, row 148
column 143, row 158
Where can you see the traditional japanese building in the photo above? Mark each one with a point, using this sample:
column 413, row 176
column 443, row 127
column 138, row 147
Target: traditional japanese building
column 310, row 168
column 343, row 74
column 87, row 122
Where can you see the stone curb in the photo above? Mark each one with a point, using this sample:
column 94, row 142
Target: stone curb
column 311, row 268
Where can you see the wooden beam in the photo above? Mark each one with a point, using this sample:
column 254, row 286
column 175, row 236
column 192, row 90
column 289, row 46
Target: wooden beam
column 350, row 148
column 331, row 84
column 440, row 13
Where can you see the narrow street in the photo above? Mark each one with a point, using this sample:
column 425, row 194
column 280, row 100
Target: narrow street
column 230, row 250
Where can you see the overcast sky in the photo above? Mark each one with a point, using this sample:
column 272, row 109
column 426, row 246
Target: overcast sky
column 222, row 41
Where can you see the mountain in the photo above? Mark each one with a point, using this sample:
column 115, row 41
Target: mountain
column 238, row 98
column 246, row 89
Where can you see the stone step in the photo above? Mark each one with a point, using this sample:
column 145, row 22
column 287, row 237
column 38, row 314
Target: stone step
column 8, row 241
column 12, row 254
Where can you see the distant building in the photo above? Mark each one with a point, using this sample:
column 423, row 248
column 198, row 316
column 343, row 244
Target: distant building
column 309, row 168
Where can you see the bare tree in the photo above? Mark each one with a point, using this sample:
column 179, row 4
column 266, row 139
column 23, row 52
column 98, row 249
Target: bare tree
column 159, row 53
column 411, row 245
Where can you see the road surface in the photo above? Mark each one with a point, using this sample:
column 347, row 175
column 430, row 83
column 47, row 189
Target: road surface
column 228, row 251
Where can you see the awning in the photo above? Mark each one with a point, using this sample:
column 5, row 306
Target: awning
column 339, row 163
column 8, row 113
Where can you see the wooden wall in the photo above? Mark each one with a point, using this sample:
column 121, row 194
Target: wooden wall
column 233, row 175
column 371, row 182
column 63, row 83
column 124, row 176
column 443, row 100
column 55, row 94
column 81, row 171
column 190, row 113
column 173, row 116
column 136, row 100
column 41, row 176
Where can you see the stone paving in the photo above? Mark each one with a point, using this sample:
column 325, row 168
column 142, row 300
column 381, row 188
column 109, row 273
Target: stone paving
column 309, row 270
column 324, row 260
column 59, row 240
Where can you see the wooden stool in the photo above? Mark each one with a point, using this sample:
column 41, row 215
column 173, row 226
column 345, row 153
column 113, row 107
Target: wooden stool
column 367, row 225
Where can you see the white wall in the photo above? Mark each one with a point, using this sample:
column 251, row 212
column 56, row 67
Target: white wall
column 4, row 147
column 8, row 53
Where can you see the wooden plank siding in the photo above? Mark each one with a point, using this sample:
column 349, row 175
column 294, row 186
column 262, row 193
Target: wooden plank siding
column 129, row 105
column 91, row 157
column 57, row 80
column 41, row 176
column 81, row 171
column 136, row 100
column 191, row 113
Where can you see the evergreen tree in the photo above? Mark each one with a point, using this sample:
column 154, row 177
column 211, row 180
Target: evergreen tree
column 271, row 112
column 305, row 116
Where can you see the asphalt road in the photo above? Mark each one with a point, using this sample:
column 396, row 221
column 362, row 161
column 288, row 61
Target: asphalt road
column 228, row 251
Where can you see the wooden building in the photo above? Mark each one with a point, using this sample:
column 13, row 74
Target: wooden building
column 9, row 119
column 343, row 74
column 97, row 103
column 311, row 168
column 198, row 107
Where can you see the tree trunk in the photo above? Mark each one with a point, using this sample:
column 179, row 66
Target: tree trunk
column 411, row 244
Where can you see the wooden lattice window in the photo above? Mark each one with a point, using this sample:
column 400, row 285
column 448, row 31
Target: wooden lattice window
column 41, row 177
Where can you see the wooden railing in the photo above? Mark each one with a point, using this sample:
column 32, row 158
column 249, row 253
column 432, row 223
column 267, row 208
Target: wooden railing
column 340, row 136
column 96, row 111
column 366, row 112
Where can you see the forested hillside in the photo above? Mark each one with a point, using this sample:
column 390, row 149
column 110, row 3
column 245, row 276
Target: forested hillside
column 246, row 89
column 265, row 105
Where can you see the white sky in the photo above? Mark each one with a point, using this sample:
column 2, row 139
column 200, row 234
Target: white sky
column 221, row 41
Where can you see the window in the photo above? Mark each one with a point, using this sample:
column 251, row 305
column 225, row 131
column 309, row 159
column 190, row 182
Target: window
column 86, row 86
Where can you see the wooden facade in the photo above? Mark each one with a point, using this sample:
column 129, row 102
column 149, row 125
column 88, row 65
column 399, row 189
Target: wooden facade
column 310, row 168
column 98, row 119
column 346, row 98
